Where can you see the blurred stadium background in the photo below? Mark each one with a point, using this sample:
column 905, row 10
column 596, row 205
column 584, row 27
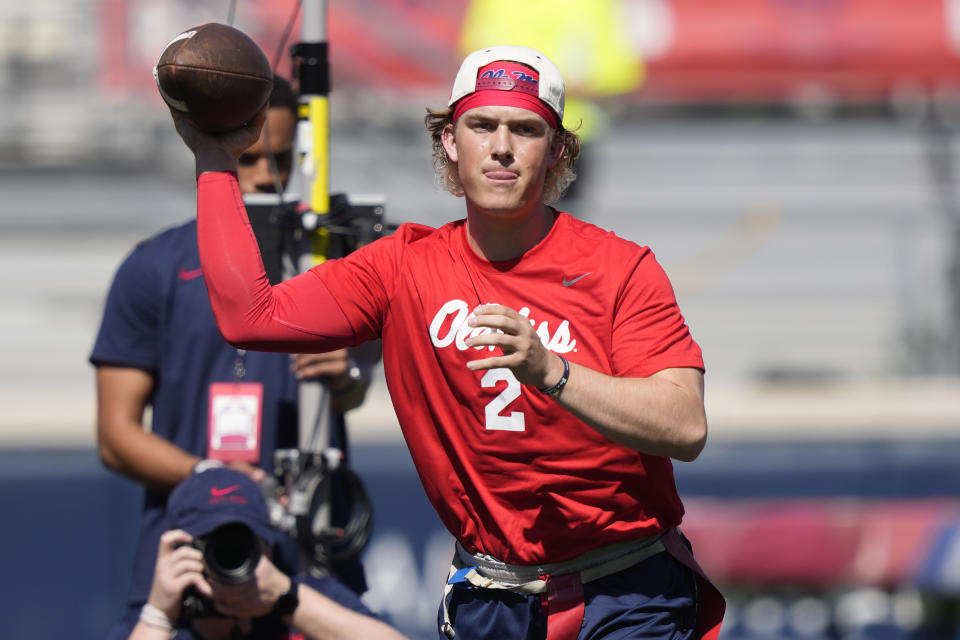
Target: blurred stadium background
column 792, row 163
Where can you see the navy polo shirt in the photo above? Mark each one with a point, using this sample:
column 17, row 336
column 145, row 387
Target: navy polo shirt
column 158, row 318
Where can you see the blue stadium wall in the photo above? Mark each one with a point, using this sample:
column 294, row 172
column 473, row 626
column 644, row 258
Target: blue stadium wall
column 70, row 525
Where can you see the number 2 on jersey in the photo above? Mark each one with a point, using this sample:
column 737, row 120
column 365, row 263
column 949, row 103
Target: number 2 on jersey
column 496, row 421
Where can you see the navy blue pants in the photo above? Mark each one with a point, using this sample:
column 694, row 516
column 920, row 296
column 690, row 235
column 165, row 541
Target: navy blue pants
column 655, row 599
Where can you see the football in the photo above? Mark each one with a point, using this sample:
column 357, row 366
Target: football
column 215, row 75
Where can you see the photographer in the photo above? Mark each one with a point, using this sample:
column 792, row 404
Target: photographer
column 215, row 578
column 158, row 353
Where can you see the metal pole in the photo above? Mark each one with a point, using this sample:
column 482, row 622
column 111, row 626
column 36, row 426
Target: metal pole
column 313, row 148
column 313, row 153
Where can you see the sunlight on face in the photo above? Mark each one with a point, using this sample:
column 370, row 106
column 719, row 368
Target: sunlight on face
column 502, row 155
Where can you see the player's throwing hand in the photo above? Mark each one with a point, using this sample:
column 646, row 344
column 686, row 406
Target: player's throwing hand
column 219, row 152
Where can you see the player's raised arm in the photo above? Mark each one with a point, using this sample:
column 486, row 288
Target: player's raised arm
column 251, row 313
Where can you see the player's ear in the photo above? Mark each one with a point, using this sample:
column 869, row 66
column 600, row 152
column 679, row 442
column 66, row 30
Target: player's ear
column 449, row 142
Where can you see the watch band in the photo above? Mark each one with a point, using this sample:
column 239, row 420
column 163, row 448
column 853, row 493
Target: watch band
column 288, row 601
column 206, row 464
column 557, row 388
column 354, row 378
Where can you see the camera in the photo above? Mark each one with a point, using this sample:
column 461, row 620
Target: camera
column 231, row 553
column 307, row 479
column 299, row 495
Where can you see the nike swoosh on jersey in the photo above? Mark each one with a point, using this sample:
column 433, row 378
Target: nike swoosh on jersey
column 189, row 274
column 567, row 283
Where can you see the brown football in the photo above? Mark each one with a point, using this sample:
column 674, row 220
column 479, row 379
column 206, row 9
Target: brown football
column 215, row 75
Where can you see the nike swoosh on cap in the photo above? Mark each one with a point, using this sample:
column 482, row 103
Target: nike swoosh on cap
column 217, row 493
column 567, row 283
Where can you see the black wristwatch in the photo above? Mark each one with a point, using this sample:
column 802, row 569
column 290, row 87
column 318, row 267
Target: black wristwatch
column 287, row 603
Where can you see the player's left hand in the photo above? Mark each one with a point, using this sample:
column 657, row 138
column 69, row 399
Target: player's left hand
column 522, row 350
column 255, row 597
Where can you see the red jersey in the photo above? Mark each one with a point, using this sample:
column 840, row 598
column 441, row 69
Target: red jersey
column 510, row 472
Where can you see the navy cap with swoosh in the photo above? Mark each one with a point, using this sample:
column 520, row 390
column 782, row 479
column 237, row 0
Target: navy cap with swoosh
column 204, row 501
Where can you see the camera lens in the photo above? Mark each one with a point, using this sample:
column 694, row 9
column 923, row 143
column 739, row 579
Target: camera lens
column 232, row 552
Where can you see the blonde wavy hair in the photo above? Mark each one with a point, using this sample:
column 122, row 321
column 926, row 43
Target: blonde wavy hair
column 559, row 176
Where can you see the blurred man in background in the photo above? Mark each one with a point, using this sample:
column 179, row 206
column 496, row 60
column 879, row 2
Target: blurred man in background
column 224, row 512
column 158, row 347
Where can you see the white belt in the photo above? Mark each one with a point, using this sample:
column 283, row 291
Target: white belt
column 486, row 572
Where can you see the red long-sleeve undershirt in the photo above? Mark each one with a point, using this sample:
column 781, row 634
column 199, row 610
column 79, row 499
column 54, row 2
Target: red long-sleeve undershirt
column 298, row 315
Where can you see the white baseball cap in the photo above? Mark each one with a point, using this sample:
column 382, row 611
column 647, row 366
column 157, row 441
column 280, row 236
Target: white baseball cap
column 483, row 81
